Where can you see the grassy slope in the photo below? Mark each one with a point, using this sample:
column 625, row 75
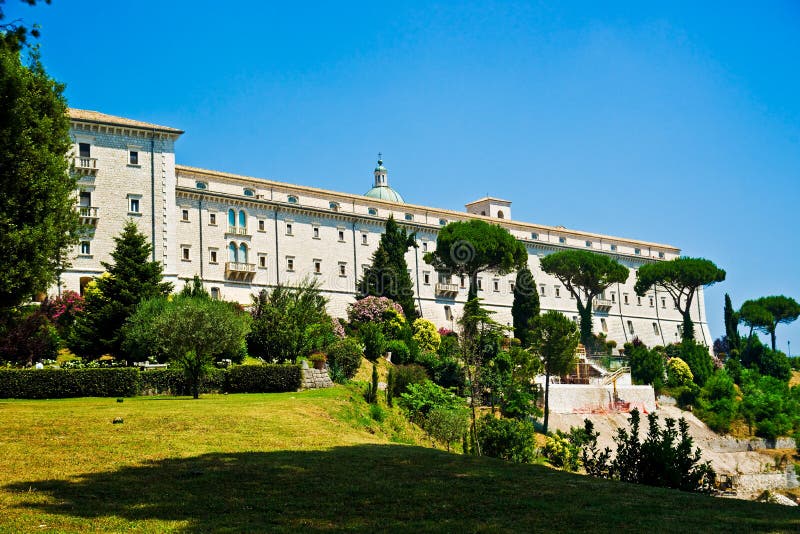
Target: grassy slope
column 300, row 461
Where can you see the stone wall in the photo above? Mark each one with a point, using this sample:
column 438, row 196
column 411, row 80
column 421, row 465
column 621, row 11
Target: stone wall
column 574, row 398
column 315, row 378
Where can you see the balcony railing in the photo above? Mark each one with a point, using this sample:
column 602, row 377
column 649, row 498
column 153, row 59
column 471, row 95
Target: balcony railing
column 237, row 230
column 236, row 270
column 86, row 165
column 602, row 304
column 88, row 214
column 446, row 290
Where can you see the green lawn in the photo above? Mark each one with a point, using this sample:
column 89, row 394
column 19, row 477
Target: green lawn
column 308, row 461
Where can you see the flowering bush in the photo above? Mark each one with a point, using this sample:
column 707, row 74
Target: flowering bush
column 338, row 329
column 371, row 309
column 63, row 309
column 445, row 332
column 426, row 336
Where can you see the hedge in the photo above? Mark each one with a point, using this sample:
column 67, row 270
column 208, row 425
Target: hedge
column 64, row 383
column 129, row 381
column 269, row 378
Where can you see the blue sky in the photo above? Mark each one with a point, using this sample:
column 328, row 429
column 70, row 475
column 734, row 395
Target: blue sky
column 670, row 122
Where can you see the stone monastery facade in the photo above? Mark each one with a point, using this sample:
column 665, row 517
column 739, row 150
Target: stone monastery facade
column 241, row 234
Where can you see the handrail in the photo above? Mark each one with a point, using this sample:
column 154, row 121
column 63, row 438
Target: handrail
column 237, row 266
column 608, row 379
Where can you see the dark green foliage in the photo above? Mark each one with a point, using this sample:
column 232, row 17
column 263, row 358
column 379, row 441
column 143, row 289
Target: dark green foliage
column 64, row 383
column 388, row 275
column 371, row 335
column 195, row 289
column 585, row 275
column 554, row 339
column 680, row 278
column 27, row 336
column 446, row 425
column 400, row 351
column 140, row 341
column 268, row 378
column 564, row 450
column 525, row 306
column 131, row 279
column 766, row 313
column 422, row 397
column 508, row 439
column 448, row 347
column 698, row 359
column 405, row 375
column 288, row 323
column 647, row 366
column 769, row 406
column 510, row 376
column 731, row 324
column 372, row 393
column 717, row 405
column 344, row 359
column 665, row 458
column 174, row 382
column 755, row 355
column 470, row 247
column 38, row 221
column 390, row 387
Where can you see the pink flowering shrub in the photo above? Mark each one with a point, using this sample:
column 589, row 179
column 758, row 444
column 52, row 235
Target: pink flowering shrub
column 445, row 331
column 338, row 329
column 371, row 309
column 63, row 309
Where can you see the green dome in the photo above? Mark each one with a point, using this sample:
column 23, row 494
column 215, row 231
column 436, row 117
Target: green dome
column 384, row 192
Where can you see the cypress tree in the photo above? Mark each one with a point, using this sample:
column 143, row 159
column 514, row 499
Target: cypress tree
column 388, row 275
column 731, row 324
column 131, row 278
column 526, row 304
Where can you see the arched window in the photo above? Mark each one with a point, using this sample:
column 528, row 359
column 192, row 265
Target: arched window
column 233, row 252
column 334, row 206
column 292, row 199
column 372, row 211
column 201, row 185
column 243, row 253
column 249, row 193
column 242, row 219
column 231, row 217
column 500, row 214
column 443, row 222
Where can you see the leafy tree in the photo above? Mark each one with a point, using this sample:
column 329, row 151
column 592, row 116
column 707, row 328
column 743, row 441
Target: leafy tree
column 195, row 289
column 344, row 359
column 131, row 279
column 647, row 366
column 388, row 275
column 193, row 331
column 757, row 356
column 680, row 278
column 38, row 222
column 699, row 361
column 514, row 372
column 289, row 322
column 554, row 339
column 468, row 248
column 766, row 313
column 526, row 304
column 426, row 335
column 14, row 35
column 374, row 341
column 678, row 373
column 585, row 275
column 731, row 324
column 27, row 336
column 508, row 439
column 446, row 425
column 717, row 402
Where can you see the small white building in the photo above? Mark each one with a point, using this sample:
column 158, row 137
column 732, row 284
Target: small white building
column 241, row 234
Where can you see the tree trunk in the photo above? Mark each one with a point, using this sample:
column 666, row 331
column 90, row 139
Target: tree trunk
column 546, row 400
column 687, row 330
column 473, row 286
column 585, row 313
column 772, row 337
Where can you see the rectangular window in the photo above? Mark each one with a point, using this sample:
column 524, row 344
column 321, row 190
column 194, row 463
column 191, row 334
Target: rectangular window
column 613, row 297
column 426, row 278
column 86, row 248
column 212, row 219
column 288, row 228
column 262, row 261
column 133, row 205
column 663, row 302
column 613, row 248
column 496, row 285
column 462, row 280
column 185, row 253
column 480, row 284
column 212, row 256
column 215, row 293
column 558, row 292
column 655, row 328
column 651, row 302
column 290, row 263
column 625, row 298
column 638, row 301
column 364, row 239
column 85, row 199
column 341, row 236
column 133, row 157
column 262, row 225
column 511, row 286
column 534, row 236
column 541, row 290
column 185, row 215
column 424, row 246
column 342, row 268
column 603, row 324
column 317, row 266
column 448, row 313
column 637, row 251
column 562, row 240
column 589, row 244
column 661, row 255
column 630, row 327
column 315, row 232
column 84, row 151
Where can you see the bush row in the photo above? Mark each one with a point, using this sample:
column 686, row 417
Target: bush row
column 127, row 381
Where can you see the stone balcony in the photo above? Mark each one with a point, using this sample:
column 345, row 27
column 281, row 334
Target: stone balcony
column 602, row 305
column 238, row 271
column 446, row 290
column 237, row 231
column 88, row 215
column 85, row 165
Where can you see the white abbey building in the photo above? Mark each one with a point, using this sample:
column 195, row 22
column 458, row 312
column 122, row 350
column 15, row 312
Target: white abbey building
column 242, row 234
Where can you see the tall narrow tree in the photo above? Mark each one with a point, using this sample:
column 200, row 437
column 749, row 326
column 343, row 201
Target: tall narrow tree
column 585, row 275
column 129, row 280
column 526, row 304
column 388, row 275
column 731, row 324
column 681, row 278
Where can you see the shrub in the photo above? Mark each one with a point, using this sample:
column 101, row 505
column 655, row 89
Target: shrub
column 448, row 346
column 371, row 309
column 426, row 335
column 373, row 339
column 508, row 439
column 405, row 375
column 421, row 398
column 717, row 402
column 647, row 366
column 678, row 373
column 344, row 359
column 399, row 350
column 560, row 452
column 268, row 378
column 64, row 383
column 377, row 413
column 446, row 425
column 27, row 336
column 699, row 361
column 174, row 382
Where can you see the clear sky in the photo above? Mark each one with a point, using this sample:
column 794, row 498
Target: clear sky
column 676, row 122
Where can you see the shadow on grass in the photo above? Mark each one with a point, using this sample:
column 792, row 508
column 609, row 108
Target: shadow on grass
column 385, row 488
